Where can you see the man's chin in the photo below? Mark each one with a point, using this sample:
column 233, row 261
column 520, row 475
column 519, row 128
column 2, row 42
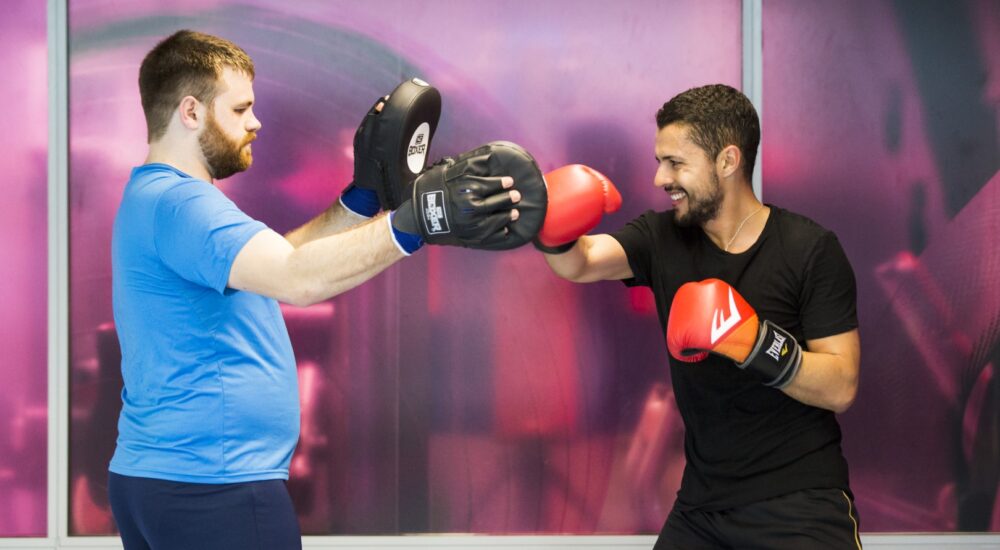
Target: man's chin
column 243, row 166
column 682, row 219
column 223, row 174
column 691, row 218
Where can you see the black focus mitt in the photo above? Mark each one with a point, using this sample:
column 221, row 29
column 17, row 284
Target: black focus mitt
column 392, row 143
column 460, row 200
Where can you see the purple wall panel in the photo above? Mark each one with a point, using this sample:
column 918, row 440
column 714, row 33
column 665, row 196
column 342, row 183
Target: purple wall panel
column 880, row 122
column 23, row 294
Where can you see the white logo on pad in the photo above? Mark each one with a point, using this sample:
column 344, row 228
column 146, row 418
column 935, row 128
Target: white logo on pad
column 721, row 324
column 436, row 221
column 416, row 152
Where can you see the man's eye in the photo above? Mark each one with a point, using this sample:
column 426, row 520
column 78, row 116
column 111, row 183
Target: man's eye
column 240, row 111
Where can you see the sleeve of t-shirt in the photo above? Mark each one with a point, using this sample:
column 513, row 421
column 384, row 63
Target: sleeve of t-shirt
column 635, row 238
column 830, row 292
column 198, row 232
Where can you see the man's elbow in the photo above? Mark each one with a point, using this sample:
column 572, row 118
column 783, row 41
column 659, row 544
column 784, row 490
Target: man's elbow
column 299, row 299
column 299, row 291
column 845, row 397
column 574, row 273
column 573, row 277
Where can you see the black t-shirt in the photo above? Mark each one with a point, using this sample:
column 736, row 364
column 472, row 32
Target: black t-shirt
column 745, row 442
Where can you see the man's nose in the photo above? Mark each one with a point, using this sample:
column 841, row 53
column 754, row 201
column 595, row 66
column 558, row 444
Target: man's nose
column 663, row 177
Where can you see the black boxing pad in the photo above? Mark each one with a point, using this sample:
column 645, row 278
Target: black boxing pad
column 392, row 143
column 459, row 201
column 504, row 158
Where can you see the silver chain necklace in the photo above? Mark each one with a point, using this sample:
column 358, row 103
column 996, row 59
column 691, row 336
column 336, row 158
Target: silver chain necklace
column 740, row 227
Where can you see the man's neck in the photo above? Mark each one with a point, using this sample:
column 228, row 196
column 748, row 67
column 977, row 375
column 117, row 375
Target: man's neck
column 740, row 221
column 185, row 161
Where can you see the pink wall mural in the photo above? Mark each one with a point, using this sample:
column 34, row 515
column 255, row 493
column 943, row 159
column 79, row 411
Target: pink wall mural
column 24, row 292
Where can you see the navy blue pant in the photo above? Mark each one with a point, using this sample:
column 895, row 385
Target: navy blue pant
column 154, row 514
column 814, row 519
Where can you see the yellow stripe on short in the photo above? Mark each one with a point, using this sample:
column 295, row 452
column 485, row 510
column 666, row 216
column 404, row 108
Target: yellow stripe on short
column 850, row 514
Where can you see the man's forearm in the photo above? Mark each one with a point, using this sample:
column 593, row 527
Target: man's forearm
column 825, row 380
column 341, row 261
column 331, row 221
column 593, row 258
column 269, row 265
column 569, row 264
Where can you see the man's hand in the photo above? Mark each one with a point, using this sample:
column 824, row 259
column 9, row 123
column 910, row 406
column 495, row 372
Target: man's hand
column 462, row 201
column 711, row 317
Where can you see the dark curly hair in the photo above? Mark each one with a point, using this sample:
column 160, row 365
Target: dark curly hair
column 717, row 116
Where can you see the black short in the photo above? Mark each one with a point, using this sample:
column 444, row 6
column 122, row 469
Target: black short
column 814, row 519
column 168, row 515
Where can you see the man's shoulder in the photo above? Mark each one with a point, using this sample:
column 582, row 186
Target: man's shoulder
column 798, row 226
column 659, row 220
column 800, row 236
column 155, row 182
column 159, row 174
column 662, row 229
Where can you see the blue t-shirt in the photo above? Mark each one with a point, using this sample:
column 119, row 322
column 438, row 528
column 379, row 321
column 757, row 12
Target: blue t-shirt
column 211, row 391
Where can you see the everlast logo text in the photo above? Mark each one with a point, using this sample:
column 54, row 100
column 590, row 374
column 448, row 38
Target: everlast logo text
column 434, row 217
column 775, row 349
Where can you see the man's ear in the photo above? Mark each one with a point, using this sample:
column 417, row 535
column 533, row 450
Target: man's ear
column 729, row 160
column 192, row 112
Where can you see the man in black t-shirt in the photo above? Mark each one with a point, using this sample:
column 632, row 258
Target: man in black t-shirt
column 764, row 462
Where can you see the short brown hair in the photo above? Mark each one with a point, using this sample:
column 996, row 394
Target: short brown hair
column 718, row 116
column 186, row 63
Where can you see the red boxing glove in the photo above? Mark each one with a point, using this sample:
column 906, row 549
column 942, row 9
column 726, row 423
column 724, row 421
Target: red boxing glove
column 711, row 317
column 578, row 196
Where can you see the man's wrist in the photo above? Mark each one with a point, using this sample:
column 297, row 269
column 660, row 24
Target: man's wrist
column 557, row 249
column 776, row 356
column 360, row 201
column 408, row 243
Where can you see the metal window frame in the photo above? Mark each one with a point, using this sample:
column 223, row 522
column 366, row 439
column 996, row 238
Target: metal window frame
column 753, row 45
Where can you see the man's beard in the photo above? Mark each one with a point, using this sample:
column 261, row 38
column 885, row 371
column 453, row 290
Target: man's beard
column 224, row 156
column 701, row 209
